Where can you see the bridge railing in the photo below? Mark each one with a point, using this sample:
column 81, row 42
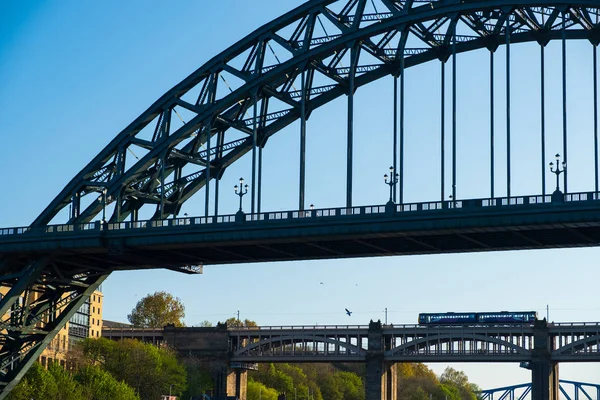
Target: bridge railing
column 305, row 214
column 297, row 328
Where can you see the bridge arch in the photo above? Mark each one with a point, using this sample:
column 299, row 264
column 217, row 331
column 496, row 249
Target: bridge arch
column 195, row 131
column 311, row 346
column 589, row 344
column 456, row 343
column 189, row 127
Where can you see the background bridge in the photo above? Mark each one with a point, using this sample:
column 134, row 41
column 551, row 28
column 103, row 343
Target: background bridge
column 463, row 168
column 381, row 346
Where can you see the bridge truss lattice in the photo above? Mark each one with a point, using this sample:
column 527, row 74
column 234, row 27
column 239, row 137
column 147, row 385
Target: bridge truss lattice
column 231, row 106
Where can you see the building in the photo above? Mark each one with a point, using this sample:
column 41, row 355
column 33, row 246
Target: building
column 86, row 322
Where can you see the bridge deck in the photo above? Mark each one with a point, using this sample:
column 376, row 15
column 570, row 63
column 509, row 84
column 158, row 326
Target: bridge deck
column 530, row 222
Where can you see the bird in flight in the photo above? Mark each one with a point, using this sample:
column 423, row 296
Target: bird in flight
column 348, row 312
column 322, row 283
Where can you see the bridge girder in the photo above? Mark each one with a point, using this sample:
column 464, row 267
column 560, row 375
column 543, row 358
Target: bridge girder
column 214, row 107
column 200, row 127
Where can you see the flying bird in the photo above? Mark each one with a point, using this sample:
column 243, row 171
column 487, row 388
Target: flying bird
column 348, row 312
column 321, row 283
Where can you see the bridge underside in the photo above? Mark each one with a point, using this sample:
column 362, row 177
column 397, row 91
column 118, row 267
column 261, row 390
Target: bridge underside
column 364, row 233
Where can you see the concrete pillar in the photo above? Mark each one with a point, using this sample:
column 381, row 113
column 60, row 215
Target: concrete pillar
column 544, row 371
column 237, row 383
column 544, row 380
column 381, row 377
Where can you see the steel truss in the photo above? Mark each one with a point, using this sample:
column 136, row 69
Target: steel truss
column 569, row 389
column 231, row 106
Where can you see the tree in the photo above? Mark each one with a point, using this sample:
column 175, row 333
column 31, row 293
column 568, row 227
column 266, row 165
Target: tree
column 66, row 387
column 98, row 384
column 205, row 324
column 199, row 379
column 37, row 384
column 258, row 391
column 236, row 323
column 157, row 310
column 149, row 370
column 460, row 381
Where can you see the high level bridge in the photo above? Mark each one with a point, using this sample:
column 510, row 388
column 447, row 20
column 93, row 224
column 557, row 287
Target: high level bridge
column 539, row 347
column 121, row 212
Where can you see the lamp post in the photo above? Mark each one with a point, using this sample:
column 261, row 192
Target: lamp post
column 170, row 386
column 102, row 198
column 392, row 183
column 241, row 191
column 558, row 171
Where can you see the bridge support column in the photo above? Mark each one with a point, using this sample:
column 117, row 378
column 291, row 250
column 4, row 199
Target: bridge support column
column 544, row 380
column 544, row 371
column 237, row 383
column 381, row 378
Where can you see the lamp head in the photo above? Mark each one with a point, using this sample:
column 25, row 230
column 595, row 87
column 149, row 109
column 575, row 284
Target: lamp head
column 385, row 177
column 235, row 188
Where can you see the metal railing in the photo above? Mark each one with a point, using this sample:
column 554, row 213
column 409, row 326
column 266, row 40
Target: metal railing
column 305, row 214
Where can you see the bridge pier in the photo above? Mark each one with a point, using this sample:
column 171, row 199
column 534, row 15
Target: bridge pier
column 211, row 345
column 381, row 376
column 237, row 383
column 544, row 371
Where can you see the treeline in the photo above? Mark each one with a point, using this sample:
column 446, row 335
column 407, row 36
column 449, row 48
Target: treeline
column 131, row 370
column 346, row 382
column 101, row 369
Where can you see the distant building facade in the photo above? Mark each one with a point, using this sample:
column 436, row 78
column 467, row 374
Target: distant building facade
column 86, row 322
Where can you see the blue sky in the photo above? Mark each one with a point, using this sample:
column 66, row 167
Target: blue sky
column 73, row 74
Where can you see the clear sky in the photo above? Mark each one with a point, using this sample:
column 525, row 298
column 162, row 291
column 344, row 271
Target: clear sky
column 74, row 73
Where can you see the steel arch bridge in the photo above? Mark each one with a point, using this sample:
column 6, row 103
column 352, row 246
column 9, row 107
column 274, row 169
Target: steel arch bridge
column 569, row 389
column 232, row 105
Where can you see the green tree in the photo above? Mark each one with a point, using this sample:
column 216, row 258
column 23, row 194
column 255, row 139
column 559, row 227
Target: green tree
column 205, row 324
column 258, row 391
column 199, row 379
column 149, row 370
column 66, row 387
column 157, row 310
column 37, row 384
column 459, row 380
column 98, row 384
column 236, row 323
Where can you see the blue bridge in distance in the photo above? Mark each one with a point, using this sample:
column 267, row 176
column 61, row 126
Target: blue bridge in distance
column 570, row 390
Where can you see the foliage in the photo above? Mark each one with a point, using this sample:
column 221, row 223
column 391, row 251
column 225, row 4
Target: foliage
column 199, row 379
column 149, row 370
column 345, row 382
column 37, row 384
column 257, row 390
column 66, row 386
column 98, row 384
column 459, row 381
column 205, row 324
column 157, row 310
column 89, row 383
column 236, row 323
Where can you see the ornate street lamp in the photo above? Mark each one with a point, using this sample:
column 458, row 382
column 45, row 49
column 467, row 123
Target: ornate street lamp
column 103, row 200
column 241, row 191
column 392, row 183
column 558, row 171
